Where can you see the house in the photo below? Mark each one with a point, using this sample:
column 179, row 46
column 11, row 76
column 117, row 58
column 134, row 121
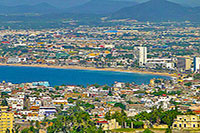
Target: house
column 16, row 103
column 109, row 125
column 47, row 111
column 115, row 109
column 34, row 116
column 59, row 102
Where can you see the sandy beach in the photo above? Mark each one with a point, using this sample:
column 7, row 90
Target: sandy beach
column 89, row 68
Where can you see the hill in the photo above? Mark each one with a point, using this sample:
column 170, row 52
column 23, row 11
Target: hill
column 191, row 3
column 42, row 8
column 157, row 10
column 57, row 3
column 101, row 6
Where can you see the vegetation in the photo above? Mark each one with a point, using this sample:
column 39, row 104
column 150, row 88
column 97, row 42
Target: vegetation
column 74, row 120
column 124, row 130
column 4, row 102
column 159, row 116
column 168, row 130
column 121, row 105
column 197, row 76
column 121, row 117
column 147, row 131
column 188, row 84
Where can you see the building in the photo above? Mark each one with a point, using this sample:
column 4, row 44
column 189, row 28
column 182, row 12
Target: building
column 109, row 125
column 184, row 63
column 45, row 83
column 196, row 64
column 186, row 122
column 6, row 120
column 164, row 63
column 141, row 54
column 13, row 60
column 47, row 111
column 59, row 102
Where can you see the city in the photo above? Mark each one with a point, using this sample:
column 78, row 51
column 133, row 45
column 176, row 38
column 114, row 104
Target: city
column 125, row 67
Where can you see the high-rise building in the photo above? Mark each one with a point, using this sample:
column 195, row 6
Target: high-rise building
column 196, row 64
column 184, row 63
column 141, row 54
column 6, row 120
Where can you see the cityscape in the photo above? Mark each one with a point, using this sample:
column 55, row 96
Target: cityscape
column 94, row 66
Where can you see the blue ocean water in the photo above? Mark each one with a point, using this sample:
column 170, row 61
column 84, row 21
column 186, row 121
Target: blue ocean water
column 56, row 76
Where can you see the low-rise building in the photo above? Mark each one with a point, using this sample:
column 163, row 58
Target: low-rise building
column 186, row 122
column 109, row 125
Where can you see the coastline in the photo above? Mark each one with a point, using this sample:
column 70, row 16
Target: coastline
column 90, row 68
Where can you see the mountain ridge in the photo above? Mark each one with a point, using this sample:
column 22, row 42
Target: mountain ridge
column 157, row 10
column 43, row 8
column 101, row 6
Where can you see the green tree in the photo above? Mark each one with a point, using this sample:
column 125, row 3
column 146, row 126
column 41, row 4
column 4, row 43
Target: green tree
column 4, row 102
column 108, row 116
column 121, row 105
column 96, row 85
column 61, row 106
column 188, row 84
column 157, row 81
column 37, row 124
column 31, row 123
column 70, row 100
column 76, row 120
column 110, row 93
column 25, row 130
column 7, row 131
column 16, row 129
column 197, row 76
column 106, row 87
column 4, row 94
column 189, row 112
column 168, row 130
column 138, row 124
column 123, row 96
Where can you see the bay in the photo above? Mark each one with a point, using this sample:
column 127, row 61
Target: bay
column 55, row 76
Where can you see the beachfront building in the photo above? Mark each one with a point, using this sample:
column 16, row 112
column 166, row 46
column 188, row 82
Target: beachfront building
column 141, row 54
column 184, row 63
column 166, row 63
column 196, row 64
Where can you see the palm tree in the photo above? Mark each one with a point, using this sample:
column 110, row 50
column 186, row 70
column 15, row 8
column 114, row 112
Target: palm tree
column 7, row 131
column 16, row 129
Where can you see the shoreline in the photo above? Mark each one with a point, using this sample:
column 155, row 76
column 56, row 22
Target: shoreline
column 90, row 68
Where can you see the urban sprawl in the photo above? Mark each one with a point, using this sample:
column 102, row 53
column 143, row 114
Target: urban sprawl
column 162, row 106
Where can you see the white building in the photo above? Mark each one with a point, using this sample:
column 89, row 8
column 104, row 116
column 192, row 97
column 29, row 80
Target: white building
column 166, row 63
column 15, row 60
column 16, row 103
column 47, row 111
column 196, row 64
column 141, row 54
